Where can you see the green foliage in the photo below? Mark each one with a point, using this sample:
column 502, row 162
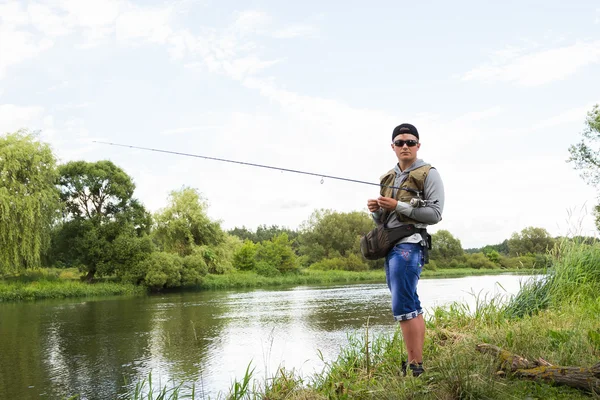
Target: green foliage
column 263, row 232
column 445, row 247
column 266, row 269
column 183, row 224
column 278, row 254
column 479, row 260
column 530, row 241
column 585, row 155
column 29, row 200
column 162, row 270
column 219, row 259
column 573, row 279
column 245, row 258
column 329, row 234
column 102, row 223
column 61, row 288
column 193, row 270
column 350, row 263
column 520, row 262
column 501, row 248
column 493, row 256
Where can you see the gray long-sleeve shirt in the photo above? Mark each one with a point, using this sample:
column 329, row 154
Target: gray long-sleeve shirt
column 430, row 214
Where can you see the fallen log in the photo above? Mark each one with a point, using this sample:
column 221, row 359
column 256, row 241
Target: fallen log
column 578, row 377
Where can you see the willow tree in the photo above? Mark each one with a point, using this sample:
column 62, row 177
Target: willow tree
column 29, row 200
column 184, row 224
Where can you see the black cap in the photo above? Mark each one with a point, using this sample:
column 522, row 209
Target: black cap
column 405, row 128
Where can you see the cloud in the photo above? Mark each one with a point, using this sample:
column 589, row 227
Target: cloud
column 190, row 129
column 574, row 116
column 536, row 68
column 251, row 21
column 13, row 117
column 18, row 46
column 474, row 116
column 151, row 25
column 296, row 30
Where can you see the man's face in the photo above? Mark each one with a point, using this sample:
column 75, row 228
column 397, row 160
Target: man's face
column 404, row 152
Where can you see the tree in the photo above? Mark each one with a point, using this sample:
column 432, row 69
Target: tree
column 103, row 228
column 530, row 241
column 263, row 232
column 278, row 254
column 329, row 234
column 245, row 258
column 29, row 200
column 183, row 224
column 585, row 155
column 445, row 247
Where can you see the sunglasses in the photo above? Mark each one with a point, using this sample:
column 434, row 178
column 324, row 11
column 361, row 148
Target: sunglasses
column 409, row 143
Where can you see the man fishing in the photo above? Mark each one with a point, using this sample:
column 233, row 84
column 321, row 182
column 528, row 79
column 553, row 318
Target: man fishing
column 418, row 201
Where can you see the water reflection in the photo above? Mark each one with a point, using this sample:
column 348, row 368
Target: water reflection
column 99, row 349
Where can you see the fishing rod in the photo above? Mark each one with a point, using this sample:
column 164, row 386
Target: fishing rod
column 244, row 163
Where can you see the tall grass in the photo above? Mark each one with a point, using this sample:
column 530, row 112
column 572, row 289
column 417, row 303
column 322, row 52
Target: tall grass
column 16, row 291
column 573, row 278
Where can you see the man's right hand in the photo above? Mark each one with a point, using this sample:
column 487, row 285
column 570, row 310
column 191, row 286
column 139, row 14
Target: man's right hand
column 372, row 205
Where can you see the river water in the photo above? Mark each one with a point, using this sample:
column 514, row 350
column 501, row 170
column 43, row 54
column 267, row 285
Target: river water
column 100, row 348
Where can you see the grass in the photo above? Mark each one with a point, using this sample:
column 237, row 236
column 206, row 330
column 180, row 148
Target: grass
column 59, row 284
column 555, row 318
column 315, row 277
column 49, row 283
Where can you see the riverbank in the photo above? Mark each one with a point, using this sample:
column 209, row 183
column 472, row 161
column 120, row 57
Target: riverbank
column 553, row 319
column 57, row 284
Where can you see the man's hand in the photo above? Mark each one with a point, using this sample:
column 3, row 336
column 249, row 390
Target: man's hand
column 372, row 205
column 387, row 203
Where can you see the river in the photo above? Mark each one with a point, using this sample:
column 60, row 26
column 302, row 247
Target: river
column 100, row 348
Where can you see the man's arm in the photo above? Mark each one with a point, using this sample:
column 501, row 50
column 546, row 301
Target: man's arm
column 431, row 213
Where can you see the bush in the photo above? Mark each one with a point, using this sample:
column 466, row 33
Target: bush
column 244, row 258
column 431, row 265
column 161, row 270
column 278, row 253
column 478, row 261
column 526, row 262
column 266, row 269
column 193, row 269
column 350, row 263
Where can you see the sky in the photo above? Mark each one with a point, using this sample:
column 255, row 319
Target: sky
column 497, row 91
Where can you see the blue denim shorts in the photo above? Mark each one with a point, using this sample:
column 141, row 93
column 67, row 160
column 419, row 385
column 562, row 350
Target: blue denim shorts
column 403, row 266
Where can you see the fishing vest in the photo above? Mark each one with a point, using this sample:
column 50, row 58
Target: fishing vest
column 411, row 188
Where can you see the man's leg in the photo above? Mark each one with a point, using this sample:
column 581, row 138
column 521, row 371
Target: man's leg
column 413, row 332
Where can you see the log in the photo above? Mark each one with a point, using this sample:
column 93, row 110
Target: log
column 587, row 379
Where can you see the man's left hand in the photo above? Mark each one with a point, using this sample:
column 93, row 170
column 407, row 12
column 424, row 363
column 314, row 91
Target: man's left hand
column 387, row 203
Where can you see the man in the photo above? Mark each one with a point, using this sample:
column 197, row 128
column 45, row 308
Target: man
column 422, row 184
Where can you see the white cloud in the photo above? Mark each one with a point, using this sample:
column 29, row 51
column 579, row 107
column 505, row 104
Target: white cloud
column 574, row 116
column 296, row 30
column 474, row 116
column 536, row 68
column 148, row 24
column 13, row 117
column 251, row 21
column 17, row 46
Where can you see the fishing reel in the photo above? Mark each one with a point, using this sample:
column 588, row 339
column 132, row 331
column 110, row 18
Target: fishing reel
column 416, row 202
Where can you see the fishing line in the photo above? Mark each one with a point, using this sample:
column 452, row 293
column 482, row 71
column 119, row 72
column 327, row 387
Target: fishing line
column 322, row 176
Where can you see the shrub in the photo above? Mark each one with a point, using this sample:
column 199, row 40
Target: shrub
column 244, row 258
column 162, row 270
